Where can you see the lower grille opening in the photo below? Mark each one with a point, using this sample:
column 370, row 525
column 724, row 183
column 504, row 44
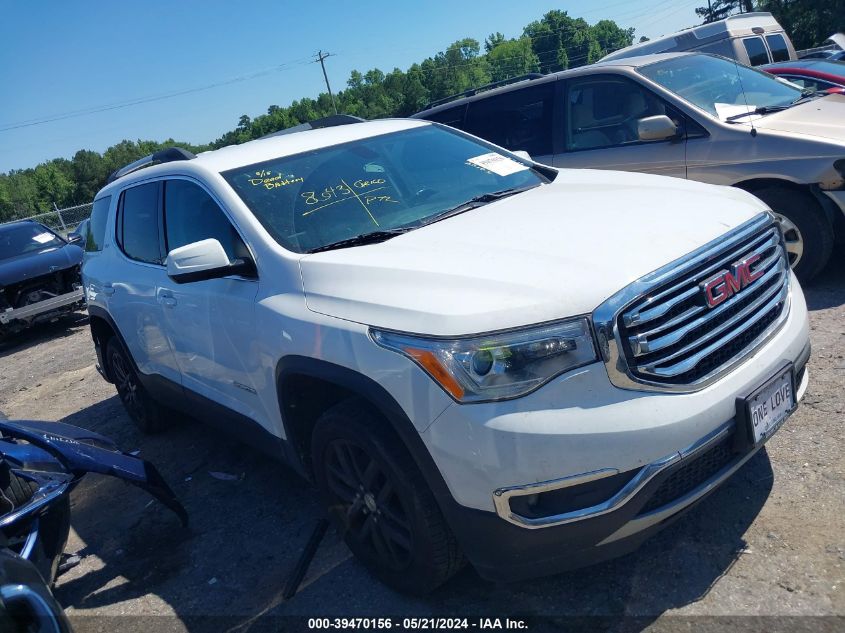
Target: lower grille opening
column 553, row 502
column 690, row 476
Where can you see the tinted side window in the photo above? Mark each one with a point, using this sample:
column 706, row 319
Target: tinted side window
column 453, row 117
column 756, row 51
column 137, row 229
column 780, row 53
column 191, row 215
column 604, row 112
column 96, row 233
column 517, row 120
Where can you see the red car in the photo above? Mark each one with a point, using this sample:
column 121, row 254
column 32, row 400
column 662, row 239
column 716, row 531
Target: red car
column 817, row 74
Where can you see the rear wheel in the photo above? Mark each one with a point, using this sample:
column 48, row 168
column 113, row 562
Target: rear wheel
column 380, row 502
column 807, row 231
column 145, row 412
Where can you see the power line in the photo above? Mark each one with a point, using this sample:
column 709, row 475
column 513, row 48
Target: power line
column 320, row 57
column 149, row 99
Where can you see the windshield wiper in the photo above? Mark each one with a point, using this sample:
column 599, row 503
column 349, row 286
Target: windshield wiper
column 475, row 202
column 365, row 238
column 384, row 235
column 809, row 94
column 759, row 110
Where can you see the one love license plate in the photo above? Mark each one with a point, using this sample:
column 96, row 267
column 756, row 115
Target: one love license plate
column 771, row 404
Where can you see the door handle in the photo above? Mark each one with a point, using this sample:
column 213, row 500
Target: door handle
column 166, row 299
column 107, row 290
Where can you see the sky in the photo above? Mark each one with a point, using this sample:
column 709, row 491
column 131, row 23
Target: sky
column 99, row 68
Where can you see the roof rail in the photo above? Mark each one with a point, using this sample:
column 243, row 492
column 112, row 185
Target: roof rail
column 162, row 156
column 490, row 86
column 329, row 121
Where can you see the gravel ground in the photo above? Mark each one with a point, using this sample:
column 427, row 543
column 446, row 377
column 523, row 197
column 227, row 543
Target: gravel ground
column 771, row 542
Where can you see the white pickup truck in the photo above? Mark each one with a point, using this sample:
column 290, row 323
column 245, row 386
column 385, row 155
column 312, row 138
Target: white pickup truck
column 473, row 356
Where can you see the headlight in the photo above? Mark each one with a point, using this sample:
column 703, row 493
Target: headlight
column 499, row 365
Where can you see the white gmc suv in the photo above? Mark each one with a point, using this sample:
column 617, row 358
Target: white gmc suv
column 473, row 356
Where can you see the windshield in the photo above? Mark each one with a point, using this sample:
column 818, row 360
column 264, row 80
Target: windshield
column 26, row 238
column 380, row 183
column 720, row 86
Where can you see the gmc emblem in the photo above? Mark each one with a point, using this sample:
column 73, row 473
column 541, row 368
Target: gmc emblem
column 726, row 283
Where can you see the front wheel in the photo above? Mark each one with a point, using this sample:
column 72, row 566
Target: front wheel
column 379, row 501
column 807, row 232
column 146, row 413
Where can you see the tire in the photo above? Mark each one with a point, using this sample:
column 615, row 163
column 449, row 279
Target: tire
column 147, row 414
column 15, row 490
column 808, row 232
column 54, row 523
column 379, row 501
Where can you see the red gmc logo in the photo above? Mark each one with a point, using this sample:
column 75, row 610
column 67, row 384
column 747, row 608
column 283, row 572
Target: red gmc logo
column 725, row 284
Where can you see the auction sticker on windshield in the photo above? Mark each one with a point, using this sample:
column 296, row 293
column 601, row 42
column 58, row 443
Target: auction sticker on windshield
column 770, row 405
column 43, row 238
column 498, row 164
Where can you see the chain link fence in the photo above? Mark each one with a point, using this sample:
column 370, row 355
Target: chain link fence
column 62, row 221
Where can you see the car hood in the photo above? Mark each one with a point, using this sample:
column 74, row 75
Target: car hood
column 30, row 265
column 554, row 251
column 823, row 117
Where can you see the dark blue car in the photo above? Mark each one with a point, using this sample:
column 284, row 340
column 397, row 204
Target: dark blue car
column 39, row 275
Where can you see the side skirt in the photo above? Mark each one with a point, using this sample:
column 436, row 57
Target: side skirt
column 207, row 411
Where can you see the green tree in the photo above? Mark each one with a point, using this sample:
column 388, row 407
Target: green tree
column 808, row 22
column 561, row 42
column 512, row 58
column 720, row 9
column 52, row 185
column 493, row 40
column 552, row 37
column 610, row 37
column 89, row 172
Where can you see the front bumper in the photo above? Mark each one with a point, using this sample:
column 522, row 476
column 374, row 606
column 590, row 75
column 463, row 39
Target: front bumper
column 41, row 308
column 503, row 550
column 580, row 423
column 665, row 452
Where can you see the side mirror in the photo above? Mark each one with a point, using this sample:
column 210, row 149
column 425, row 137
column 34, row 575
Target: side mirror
column 656, row 128
column 74, row 238
column 523, row 154
column 204, row 260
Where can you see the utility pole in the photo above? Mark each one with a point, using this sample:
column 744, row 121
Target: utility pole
column 320, row 58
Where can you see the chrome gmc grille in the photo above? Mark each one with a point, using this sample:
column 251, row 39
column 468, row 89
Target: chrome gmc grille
column 668, row 334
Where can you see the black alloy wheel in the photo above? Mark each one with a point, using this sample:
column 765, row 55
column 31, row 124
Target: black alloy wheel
column 145, row 412
column 372, row 513
column 127, row 385
column 379, row 501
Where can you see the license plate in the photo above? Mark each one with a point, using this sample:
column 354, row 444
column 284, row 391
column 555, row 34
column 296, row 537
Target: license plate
column 770, row 405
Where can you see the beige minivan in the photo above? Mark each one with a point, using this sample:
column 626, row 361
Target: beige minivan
column 752, row 39
column 688, row 115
